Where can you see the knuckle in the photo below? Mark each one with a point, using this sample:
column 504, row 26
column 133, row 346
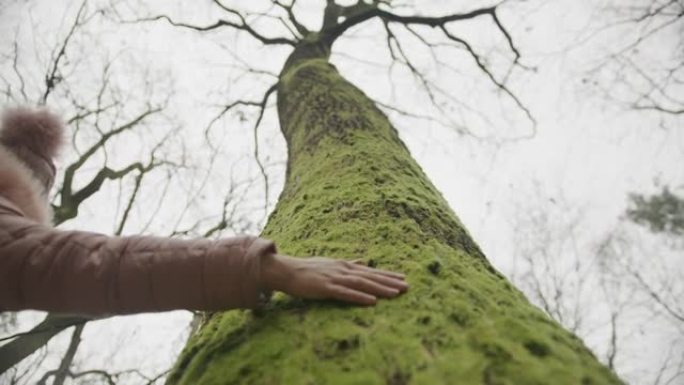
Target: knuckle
column 329, row 288
column 336, row 279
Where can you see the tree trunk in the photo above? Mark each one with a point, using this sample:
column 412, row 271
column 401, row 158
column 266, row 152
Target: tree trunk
column 353, row 190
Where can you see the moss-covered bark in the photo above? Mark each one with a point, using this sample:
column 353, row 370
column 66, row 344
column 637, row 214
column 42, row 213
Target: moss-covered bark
column 353, row 190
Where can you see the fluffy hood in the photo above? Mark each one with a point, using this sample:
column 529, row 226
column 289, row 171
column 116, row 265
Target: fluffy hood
column 29, row 142
column 38, row 131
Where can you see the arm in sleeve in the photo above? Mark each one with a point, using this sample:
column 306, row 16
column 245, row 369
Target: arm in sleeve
column 88, row 273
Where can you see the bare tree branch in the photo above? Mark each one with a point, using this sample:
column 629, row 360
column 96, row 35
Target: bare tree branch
column 257, row 123
column 658, row 108
column 350, row 16
column 490, row 75
column 303, row 31
column 52, row 76
column 63, row 371
column 70, row 199
column 369, row 12
column 23, row 344
column 630, row 73
column 261, row 106
column 613, row 349
column 243, row 25
column 20, row 77
column 668, row 307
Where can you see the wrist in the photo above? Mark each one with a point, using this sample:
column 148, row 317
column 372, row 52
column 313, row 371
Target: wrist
column 274, row 272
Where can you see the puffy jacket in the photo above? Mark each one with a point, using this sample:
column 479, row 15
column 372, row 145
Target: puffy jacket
column 44, row 268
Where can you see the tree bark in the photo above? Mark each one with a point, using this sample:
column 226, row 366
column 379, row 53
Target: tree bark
column 353, row 190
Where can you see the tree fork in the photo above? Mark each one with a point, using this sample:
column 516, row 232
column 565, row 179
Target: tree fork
column 353, row 191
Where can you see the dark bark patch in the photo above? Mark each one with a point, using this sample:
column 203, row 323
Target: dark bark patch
column 297, row 208
column 349, row 343
column 399, row 378
column 434, row 267
column 461, row 319
column 337, row 347
column 488, row 377
column 244, row 371
column 537, row 348
column 428, row 347
column 392, row 209
column 363, row 322
column 495, row 351
column 438, row 224
column 504, row 303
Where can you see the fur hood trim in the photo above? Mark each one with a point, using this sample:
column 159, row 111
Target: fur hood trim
column 38, row 131
column 19, row 186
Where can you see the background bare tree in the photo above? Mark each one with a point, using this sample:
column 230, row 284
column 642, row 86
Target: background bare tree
column 125, row 149
column 643, row 68
column 610, row 288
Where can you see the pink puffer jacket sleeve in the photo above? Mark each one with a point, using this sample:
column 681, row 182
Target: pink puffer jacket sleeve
column 87, row 273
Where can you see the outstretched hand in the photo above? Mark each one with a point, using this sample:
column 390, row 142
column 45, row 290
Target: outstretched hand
column 326, row 278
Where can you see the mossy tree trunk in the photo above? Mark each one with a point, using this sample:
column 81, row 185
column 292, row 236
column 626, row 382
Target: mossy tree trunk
column 353, row 190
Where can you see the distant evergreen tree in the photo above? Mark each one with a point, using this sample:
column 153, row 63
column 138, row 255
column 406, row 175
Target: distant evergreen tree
column 661, row 213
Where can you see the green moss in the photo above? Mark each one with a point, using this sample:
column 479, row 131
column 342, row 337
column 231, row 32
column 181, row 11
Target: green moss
column 353, row 191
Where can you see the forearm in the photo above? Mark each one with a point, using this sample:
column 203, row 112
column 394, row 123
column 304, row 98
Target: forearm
column 87, row 273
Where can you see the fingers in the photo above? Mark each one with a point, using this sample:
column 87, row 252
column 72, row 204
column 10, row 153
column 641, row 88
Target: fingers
column 383, row 277
column 358, row 264
column 398, row 284
column 365, row 285
column 347, row 294
column 348, row 281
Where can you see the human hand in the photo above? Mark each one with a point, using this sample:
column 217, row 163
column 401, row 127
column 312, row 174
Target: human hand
column 326, row 278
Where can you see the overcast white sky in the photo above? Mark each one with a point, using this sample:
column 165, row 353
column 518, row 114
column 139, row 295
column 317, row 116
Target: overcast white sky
column 587, row 153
